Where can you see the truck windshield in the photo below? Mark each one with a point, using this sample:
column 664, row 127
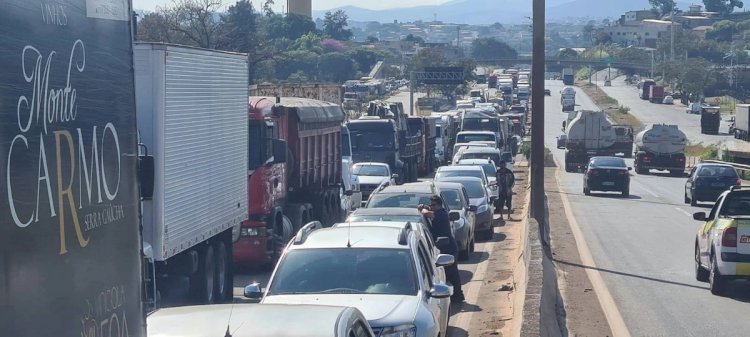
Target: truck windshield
column 372, row 141
column 346, row 149
column 475, row 137
column 482, row 124
column 345, row 271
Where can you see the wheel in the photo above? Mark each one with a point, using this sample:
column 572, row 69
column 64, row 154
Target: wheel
column 472, row 245
column 701, row 274
column 224, row 272
column 717, row 283
column 206, row 277
column 295, row 213
column 320, row 205
column 626, row 192
column 687, row 201
column 586, row 191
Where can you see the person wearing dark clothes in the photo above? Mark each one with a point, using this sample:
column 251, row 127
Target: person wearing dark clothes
column 505, row 182
column 441, row 227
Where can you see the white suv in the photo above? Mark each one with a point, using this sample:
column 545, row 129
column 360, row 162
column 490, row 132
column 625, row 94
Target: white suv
column 386, row 272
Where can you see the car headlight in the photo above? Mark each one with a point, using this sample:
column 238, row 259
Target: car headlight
column 406, row 330
column 482, row 208
column 253, row 231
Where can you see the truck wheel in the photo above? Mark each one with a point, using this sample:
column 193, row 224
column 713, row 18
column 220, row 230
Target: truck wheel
column 321, row 208
column 224, row 272
column 206, row 276
column 693, row 201
column 295, row 213
column 626, row 192
column 687, row 201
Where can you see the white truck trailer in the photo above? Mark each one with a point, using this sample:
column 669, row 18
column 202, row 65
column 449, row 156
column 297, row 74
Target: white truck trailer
column 660, row 147
column 192, row 112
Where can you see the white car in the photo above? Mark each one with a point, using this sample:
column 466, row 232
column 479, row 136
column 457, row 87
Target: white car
column 722, row 245
column 371, row 175
column 668, row 100
column 387, row 273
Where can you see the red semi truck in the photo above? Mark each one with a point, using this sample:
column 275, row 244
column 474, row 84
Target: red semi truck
column 294, row 173
column 656, row 94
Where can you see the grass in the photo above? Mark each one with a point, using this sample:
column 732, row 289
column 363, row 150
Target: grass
column 619, row 114
column 710, row 152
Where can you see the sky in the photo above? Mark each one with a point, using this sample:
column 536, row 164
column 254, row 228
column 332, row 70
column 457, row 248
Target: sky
column 150, row 5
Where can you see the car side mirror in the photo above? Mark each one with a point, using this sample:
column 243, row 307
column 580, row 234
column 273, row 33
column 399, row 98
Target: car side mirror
column 394, row 176
column 252, row 291
column 444, row 260
column 700, row 216
column 146, row 168
column 473, row 208
column 441, row 291
column 454, row 216
column 630, row 168
column 279, row 151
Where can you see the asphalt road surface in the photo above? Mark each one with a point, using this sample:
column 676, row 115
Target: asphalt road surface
column 643, row 245
column 651, row 113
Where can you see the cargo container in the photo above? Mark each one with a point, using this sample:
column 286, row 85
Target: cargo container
column 742, row 122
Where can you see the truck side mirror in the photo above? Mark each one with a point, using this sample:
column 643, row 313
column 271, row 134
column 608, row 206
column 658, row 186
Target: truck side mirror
column 279, row 151
column 146, row 169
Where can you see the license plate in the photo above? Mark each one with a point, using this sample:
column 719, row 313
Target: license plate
column 608, row 183
column 717, row 184
column 745, row 239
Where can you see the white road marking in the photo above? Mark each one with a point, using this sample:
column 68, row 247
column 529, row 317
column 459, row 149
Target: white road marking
column 684, row 211
column 611, row 312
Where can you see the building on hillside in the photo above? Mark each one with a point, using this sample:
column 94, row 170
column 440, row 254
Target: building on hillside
column 301, row 7
column 700, row 31
column 642, row 33
column 634, row 16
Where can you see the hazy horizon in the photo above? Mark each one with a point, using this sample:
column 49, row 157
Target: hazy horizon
column 150, row 5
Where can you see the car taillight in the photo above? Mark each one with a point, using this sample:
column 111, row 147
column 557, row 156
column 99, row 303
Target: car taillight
column 593, row 173
column 738, row 182
column 623, row 173
column 729, row 237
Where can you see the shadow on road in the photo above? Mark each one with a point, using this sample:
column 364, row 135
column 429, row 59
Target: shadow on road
column 476, row 258
column 457, row 332
column 465, row 276
column 632, row 198
column 615, row 196
column 629, row 275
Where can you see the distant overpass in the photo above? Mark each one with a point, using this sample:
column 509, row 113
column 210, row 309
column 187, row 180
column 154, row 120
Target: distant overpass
column 568, row 62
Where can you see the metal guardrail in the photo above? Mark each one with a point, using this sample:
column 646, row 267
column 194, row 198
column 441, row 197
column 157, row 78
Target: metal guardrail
column 741, row 167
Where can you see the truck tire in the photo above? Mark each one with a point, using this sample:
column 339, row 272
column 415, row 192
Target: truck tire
column 281, row 233
column 320, row 206
column 295, row 213
column 204, row 281
column 414, row 171
column 224, row 271
column 334, row 207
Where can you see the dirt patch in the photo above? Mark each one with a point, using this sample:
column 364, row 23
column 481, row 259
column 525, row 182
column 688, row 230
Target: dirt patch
column 583, row 313
column 618, row 113
column 495, row 307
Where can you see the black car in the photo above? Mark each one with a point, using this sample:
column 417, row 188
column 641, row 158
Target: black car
column 547, row 92
column 707, row 181
column 609, row 174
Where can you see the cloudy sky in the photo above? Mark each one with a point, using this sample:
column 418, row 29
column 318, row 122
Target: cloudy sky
column 150, row 5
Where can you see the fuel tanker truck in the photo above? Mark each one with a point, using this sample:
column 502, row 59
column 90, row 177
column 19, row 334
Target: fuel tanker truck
column 587, row 134
column 660, row 147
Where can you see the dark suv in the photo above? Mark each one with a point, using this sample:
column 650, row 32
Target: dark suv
column 607, row 174
column 707, row 181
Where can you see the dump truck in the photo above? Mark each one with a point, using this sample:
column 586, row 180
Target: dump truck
column 588, row 134
column 294, row 176
column 425, row 129
column 710, row 119
column 660, row 147
column 742, row 122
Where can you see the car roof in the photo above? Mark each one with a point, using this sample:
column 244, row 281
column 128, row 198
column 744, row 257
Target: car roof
column 461, row 179
column 714, row 165
column 482, row 150
column 478, row 132
column 357, row 236
column 248, row 320
column 420, row 187
column 386, row 211
column 459, row 168
column 373, row 163
column 449, row 185
column 387, row 224
column 474, row 161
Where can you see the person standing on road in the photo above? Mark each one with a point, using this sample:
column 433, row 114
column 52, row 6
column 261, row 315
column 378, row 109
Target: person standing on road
column 505, row 181
column 441, row 227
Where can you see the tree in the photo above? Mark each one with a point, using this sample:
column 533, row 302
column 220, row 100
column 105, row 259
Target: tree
column 153, row 28
column 196, row 20
column 366, row 58
column 297, row 60
column 663, row 7
column 695, row 76
column 724, row 7
column 239, row 28
column 601, row 37
column 491, row 48
column 334, row 25
column 567, row 54
column 413, row 39
column 298, row 77
column 588, row 32
column 291, row 26
column 336, row 67
column 722, row 31
column 371, row 39
column 268, row 8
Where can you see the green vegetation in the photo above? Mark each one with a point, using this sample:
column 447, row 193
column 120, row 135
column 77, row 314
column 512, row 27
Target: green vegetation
column 710, row 152
column 623, row 109
column 584, row 73
column 526, row 149
column 619, row 114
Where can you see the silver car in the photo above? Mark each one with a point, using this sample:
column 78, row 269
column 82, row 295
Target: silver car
column 457, row 198
column 256, row 320
column 385, row 272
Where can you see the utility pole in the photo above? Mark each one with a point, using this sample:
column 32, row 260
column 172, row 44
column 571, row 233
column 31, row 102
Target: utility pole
column 537, row 117
column 671, row 36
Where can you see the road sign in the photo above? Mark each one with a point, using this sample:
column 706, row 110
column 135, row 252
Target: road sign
column 441, row 75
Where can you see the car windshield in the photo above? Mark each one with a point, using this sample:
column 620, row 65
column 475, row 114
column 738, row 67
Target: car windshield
column 717, row 171
column 401, row 200
column 371, row 140
column 385, row 217
column 345, row 271
column 474, row 188
column 495, row 157
column 452, row 198
column 473, row 137
column 370, row 170
column 458, row 173
column 737, row 203
column 609, row 162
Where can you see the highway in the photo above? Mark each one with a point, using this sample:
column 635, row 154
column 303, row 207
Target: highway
column 643, row 245
column 650, row 113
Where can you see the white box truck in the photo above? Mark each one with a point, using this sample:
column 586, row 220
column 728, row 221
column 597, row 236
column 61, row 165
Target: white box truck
column 192, row 112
